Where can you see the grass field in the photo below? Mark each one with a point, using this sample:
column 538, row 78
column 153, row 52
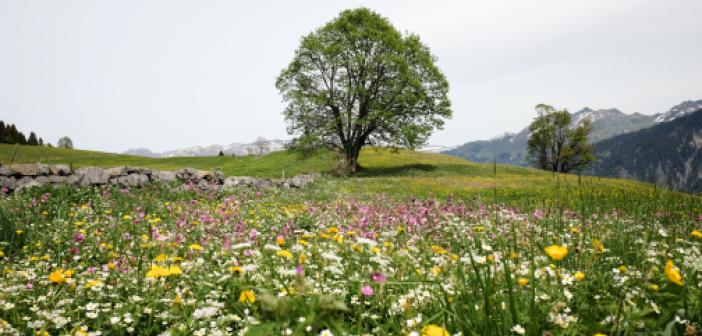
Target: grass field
column 414, row 244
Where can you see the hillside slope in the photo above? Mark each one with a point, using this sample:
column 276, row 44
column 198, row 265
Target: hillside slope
column 511, row 148
column 396, row 174
column 669, row 154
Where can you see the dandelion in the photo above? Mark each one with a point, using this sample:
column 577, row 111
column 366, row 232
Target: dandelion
column 523, row 281
column 161, row 258
column 556, row 252
column 284, row 254
column 434, row 330
column 247, row 296
column 673, row 273
column 195, row 247
column 696, row 234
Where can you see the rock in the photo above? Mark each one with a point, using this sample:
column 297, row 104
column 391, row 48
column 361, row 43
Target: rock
column 26, row 183
column 140, row 171
column 6, row 171
column 42, row 179
column 300, row 181
column 54, row 179
column 218, row 176
column 234, row 181
column 192, row 174
column 8, row 182
column 263, row 183
column 133, row 180
column 92, row 176
column 73, row 180
column 163, row 176
column 60, row 169
column 116, row 171
column 30, row 169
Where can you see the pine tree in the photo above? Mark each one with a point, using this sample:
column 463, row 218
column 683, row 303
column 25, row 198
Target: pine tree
column 2, row 132
column 32, row 141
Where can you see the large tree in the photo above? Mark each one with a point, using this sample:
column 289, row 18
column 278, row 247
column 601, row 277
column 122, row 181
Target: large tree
column 556, row 144
column 357, row 81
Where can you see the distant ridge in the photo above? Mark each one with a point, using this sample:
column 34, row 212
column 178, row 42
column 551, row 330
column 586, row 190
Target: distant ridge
column 668, row 154
column 261, row 146
column 606, row 123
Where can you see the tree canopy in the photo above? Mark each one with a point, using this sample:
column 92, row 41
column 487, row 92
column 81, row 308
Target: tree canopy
column 358, row 81
column 556, row 144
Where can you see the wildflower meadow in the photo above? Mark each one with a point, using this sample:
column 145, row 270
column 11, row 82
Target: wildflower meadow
column 161, row 261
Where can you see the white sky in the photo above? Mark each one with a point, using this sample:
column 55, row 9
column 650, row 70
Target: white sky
column 168, row 74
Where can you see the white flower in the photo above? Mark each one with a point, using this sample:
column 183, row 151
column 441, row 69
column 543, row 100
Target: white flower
column 331, row 256
column 205, row 312
column 115, row 319
column 326, row 332
column 518, row 329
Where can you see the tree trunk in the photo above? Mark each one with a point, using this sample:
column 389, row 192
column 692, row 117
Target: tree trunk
column 352, row 160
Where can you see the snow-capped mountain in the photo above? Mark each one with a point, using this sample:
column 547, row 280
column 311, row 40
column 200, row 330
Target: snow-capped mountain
column 679, row 110
column 606, row 123
column 435, row 148
column 261, row 146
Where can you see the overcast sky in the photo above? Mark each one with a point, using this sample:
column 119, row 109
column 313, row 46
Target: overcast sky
column 115, row 75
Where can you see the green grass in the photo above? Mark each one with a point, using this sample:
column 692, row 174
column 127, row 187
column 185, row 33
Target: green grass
column 273, row 165
column 402, row 174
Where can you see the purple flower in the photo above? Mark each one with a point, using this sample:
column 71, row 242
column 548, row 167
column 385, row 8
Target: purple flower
column 78, row 237
column 378, row 277
column 367, row 290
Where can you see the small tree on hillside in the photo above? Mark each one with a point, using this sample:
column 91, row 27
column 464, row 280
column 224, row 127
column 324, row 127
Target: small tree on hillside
column 32, row 141
column 358, row 81
column 261, row 146
column 556, row 145
column 65, row 142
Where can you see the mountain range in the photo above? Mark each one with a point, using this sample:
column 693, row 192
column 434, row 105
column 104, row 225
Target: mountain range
column 510, row 148
column 668, row 154
column 260, row 146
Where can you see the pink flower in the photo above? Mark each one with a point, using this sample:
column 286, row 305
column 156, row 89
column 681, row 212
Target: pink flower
column 300, row 270
column 30, row 286
column 378, row 277
column 367, row 290
column 78, row 237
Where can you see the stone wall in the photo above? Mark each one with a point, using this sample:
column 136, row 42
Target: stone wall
column 18, row 177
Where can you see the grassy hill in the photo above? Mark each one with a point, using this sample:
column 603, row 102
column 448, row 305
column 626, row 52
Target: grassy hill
column 399, row 174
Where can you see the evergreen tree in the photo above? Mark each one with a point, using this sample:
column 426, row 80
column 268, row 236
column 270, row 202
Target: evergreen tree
column 2, row 132
column 33, row 141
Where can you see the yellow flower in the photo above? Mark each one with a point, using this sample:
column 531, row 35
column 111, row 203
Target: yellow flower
column 157, row 271
column 597, row 246
column 127, row 217
column 174, row 270
column 434, row 330
column 195, row 247
column 111, row 266
column 673, row 273
column 280, row 241
column 161, row 258
column 623, row 269
column 696, row 234
column 93, row 283
column 247, row 296
column 653, row 287
column 19, row 232
column 579, row 276
column 523, row 281
column 438, row 249
column 68, row 273
column 57, row 276
column 556, row 252
column 176, row 300
column 285, row 254
column 599, row 334
column 2, row 254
